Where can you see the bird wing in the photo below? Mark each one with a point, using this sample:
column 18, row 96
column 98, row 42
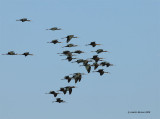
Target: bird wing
column 68, row 39
column 70, row 90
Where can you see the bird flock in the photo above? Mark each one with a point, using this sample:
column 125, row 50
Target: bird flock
column 88, row 63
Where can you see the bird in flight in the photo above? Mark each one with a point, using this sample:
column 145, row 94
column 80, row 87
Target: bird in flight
column 107, row 64
column 26, row 54
column 101, row 71
column 10, row 53
column 54, row 29
column 54, row 41
column 53, row 93
column 59, row 100
column 70, row 45
column 23, row 20
column 69, row 37
column 93, row 44
column 99, row 51
column 67, row 78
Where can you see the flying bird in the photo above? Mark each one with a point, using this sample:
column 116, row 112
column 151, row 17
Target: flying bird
column 70, row 45
column 69, row 58
column 95, row 64
column 107, row 64
column 23, row 20
column 99, row 51
column 67, row 78
column 77, row 76
column 66, row 52
column 78, row 51
column 53, row 93
column 96, row 58
column 69, row 88
column 26, row 54
column 69, row 37
column 78, row 61
column 85, row 62
column 54, row 41
column 54, row 28
column 101, row 71
column 10, row 53
column 63, row 90
column 59, row 100
column 93, row 44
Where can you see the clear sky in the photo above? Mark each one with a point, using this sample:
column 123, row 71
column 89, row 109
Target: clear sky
column 129, row 29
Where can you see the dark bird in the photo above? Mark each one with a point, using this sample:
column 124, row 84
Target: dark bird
column 96, row 58
column 10, row 53
column 78, row 51
column 53, row 93
column 70, row 45
column 95, row 64
column 66, row 52
column 78, row 61
column 23, row 20
column 88, row 68
column 101, row 71
column 54, row 28
column 107, row 64
column 69, row 37
column 26, row 54
column 59, row 100
column 99, row 51
column 67, row 78
column 54, row 41
column 93, row 44
column 77, row 76
column 85, row 62
column 69, row 58
column 69, row 88
column 63, row 90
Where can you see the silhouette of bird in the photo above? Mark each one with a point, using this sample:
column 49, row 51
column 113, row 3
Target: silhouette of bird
column 77, row 76
column 85, row 62
column 78, row 51
column 96, row 58
column 53, row 93
column 101, row 71
column 10, row 53
column 59, row 100
column 26, row 54
column 95, row 64
column 54, row 28
column 69, row 58
column 99, row 51
column 63, row 90
column 23, row 20
column 93, row 44
column 88, row 68
column 69, row 88
column 70, row 45
column 78, row 61
column 69, row 37
column 54, row 41
column 67, row 78
column 107, row 64
column 66, row 52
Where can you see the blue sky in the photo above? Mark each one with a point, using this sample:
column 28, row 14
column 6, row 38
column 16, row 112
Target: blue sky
column 129, row 29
